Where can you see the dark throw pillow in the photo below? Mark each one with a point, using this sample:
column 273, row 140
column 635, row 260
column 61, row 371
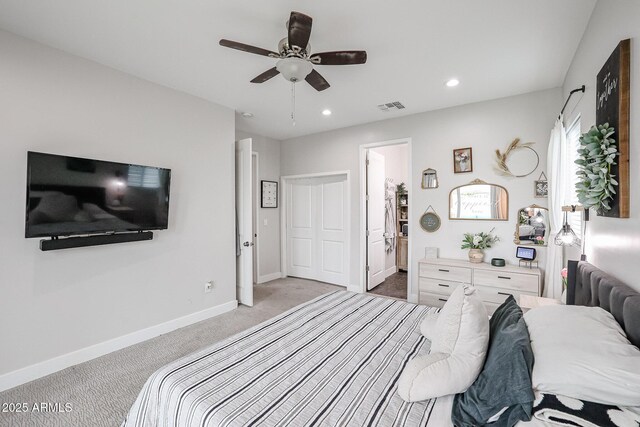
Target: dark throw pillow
column 504, row 384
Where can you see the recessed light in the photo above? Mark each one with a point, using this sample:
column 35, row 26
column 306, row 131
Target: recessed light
column 246, row 115
column 453, row 83
column 326, row 112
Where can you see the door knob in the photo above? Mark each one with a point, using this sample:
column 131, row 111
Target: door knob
column 247, row 244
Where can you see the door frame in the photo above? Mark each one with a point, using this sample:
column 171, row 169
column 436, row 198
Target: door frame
column 284, row 180
column 255, row 161
column 411, row 295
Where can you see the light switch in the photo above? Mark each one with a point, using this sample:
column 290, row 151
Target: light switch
column 265, row 222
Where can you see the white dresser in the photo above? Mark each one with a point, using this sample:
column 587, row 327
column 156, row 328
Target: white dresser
column 439, row 277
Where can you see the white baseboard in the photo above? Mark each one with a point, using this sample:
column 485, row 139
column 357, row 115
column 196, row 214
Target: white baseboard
column 390, row 271
column 269, row 277
column 41, row 369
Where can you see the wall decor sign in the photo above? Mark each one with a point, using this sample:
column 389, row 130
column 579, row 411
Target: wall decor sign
column 430, row 221
column 541, row 186
column 612, row 106
column 462, row 160
column 269, row 197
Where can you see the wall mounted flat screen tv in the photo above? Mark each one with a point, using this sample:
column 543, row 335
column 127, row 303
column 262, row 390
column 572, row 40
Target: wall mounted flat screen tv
column 70, row 196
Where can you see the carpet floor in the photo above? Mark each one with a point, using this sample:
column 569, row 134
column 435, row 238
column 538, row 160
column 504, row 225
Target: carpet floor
column 102, row 390
column 394, row 286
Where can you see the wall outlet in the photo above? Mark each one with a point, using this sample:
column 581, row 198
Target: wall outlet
column 208, row 286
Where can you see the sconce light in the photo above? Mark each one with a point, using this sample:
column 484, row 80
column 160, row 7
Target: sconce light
column 566, row 236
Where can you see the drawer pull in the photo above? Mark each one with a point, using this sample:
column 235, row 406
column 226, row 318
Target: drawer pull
column 443, row 270
column 442, row 299
column 504, row 277
column 444, row 286
column 504, row 293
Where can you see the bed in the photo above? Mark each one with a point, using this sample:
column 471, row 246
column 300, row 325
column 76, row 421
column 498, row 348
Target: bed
column 334, row 361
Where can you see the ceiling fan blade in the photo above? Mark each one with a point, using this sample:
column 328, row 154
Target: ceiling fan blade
column 299, row 30
column 317, row 81
column 344, row 57
column 266, row 76
column 248, row 48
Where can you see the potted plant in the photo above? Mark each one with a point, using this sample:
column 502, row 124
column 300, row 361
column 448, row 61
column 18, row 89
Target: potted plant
column 597, row 153
column 476, row 243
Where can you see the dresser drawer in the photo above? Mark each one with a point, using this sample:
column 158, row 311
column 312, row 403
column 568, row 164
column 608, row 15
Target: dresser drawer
column 445, row 272
column 498, row 279
column 435, row 286
column 432, row 300
column 489, row 294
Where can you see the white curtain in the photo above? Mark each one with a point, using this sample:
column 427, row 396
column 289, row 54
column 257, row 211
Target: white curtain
column 558, row 180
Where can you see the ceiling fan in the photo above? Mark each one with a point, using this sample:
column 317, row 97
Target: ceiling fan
column 294, row 54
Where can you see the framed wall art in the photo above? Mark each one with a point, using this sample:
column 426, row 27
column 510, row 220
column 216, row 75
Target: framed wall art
column 541, row 187
column 462, row 160
column 269, row 197
column 612, row 106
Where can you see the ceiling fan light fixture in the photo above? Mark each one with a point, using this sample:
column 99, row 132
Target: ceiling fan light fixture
column 294, row 69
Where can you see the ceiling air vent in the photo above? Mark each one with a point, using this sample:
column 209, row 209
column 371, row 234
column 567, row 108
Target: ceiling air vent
column 396, row 105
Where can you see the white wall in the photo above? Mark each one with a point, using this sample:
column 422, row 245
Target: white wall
column 268, row 234
column 53, row 303
column 484, row 126
column 612, row 244
column 396, row 165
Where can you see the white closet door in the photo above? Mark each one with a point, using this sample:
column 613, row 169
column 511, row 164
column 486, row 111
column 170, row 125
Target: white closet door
column 331, row 243
column 375, row 219
column 317, row 237
column 301, row 232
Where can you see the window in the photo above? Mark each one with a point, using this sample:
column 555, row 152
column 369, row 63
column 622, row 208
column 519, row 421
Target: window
column 140, row 176
column 571, row 198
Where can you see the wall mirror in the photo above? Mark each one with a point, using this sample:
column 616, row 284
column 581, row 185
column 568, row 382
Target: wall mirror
column 429, row 178
column 532, row 226
column 480, row 201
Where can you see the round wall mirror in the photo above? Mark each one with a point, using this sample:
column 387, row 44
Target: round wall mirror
column 532, row 227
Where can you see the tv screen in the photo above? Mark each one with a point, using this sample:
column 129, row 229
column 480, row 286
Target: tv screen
column 68, row 196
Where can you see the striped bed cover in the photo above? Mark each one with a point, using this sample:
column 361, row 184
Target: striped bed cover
column 334, row 361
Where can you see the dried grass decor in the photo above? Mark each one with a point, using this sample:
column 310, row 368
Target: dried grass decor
column 501, row 158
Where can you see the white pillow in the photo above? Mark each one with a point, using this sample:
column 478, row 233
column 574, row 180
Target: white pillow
column 458, row 349
column 582, row 352
column 428, row 325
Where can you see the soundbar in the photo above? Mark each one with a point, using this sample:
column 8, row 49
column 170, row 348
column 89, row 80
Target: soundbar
column 97, row 240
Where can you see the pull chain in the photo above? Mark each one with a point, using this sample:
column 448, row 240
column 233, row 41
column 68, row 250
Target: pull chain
column 293, row 103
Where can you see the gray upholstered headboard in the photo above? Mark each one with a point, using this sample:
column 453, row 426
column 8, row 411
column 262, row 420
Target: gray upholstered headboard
column 587, row 285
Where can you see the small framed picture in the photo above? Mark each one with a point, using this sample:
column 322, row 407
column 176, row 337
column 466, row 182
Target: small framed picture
column 269, row 197
column 462, row 160
column 541, row 187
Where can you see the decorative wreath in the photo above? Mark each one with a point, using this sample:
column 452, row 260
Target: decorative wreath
column 501, row 158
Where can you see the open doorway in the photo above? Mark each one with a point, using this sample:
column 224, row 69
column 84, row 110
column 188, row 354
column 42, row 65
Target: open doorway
column 387, row 219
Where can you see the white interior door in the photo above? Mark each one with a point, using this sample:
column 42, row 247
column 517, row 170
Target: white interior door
column 301, row 218
column 375, row 219
column 317, row 229
column 331, row 199
column 244, row 217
